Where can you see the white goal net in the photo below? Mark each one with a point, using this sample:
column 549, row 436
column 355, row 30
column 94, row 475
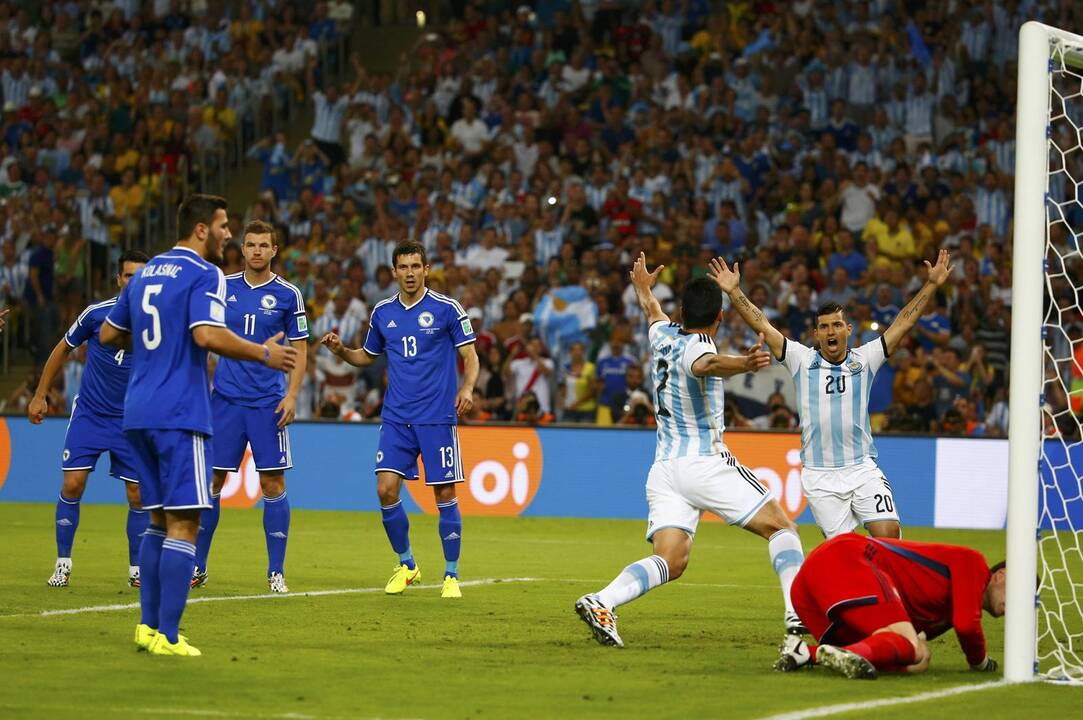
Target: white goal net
column 1060, row 506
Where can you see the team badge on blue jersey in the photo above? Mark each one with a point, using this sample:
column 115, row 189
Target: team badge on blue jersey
column 425, row 319
column 267, row 302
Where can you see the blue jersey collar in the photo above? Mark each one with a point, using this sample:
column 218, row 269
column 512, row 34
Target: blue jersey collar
column 244, row 277
column 188, row 249
column 398, row 297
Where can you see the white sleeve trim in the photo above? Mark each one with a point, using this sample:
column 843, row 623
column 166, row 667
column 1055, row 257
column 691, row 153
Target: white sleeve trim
column 206, row 322
column 114, row 324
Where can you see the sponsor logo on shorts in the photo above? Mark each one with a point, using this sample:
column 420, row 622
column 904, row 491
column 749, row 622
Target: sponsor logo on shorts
column 425, row 319
column 66, row 454
column 502, row 468
column 268, row 301
column 379, row 455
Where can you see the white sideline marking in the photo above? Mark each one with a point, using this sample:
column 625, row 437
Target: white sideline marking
column 264, row 596
column 886, row 702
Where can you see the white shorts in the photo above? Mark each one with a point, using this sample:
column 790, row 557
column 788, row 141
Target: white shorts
column 843, row 499
column 679, row 490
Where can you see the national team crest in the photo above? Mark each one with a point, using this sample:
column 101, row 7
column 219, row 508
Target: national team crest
column 854, row 366
column 425, row 319
column 267, row 302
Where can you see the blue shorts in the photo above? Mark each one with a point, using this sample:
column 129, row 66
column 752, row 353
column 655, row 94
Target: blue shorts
column 89, row 436
column 175, row 468
column 437, row 444
column 238, row 425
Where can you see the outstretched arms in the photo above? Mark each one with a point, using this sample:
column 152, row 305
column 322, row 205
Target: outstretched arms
column 730, row 282
column 908, row 317
column 725, row 366
column 643, row 281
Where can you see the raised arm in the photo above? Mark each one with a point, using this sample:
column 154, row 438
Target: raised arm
column 725, row 366
column 730, row 282
column 642, row 282
column 357, row 357
column 908, row 317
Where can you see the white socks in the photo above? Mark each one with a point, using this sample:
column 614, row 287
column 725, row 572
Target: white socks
column 635, row 580
column 786, row 558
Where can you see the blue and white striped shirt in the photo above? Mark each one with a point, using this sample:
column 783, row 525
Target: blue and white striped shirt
column 688, row 409
column 862, row 87
column 975, row 38
column 327, row 125
column 991, row 208
column 919, row 114
column 375, row 252
column 596, row 195
column 668, row 27
column 816, row 102
column 833, row 403
column 547, row 244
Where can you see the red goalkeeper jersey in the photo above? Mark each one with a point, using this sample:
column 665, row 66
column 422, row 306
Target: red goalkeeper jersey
column 941, row 587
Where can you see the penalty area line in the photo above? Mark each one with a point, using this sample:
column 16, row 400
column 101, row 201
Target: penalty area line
column 264, row 596
column 885, row 702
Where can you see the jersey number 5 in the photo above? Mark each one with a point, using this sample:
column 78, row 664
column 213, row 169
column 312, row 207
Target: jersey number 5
column 152, row 339
column 836, row 384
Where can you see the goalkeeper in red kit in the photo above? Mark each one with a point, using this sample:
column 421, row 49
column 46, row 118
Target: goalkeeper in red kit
column 872, row 603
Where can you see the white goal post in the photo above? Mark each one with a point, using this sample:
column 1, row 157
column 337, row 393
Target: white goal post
column 1050, row 92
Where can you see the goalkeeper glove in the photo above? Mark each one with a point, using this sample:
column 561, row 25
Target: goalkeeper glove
column 986, row 665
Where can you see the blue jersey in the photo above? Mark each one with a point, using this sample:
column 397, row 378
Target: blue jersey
column 175, row 292
column 420, row 342
column 257, row 313
column 105, row 376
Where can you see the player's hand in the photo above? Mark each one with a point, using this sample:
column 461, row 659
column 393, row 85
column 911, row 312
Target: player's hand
column 727, row 279
column 639, row 275
column 939, row 273
column 757, row 358
column 464, row 401
column 333, row 343
column 287, row 408
column 37, row 410
column 988, row 665
column 280, row 357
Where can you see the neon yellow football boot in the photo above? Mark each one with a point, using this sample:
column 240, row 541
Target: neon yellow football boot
column 144, row 636
column 401, row 577
column 451, row 587
column 162, row 646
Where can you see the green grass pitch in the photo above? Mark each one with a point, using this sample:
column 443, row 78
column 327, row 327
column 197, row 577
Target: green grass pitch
column 700, row 647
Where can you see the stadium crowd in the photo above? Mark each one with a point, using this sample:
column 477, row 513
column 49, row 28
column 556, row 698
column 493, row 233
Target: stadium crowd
column 533, row 150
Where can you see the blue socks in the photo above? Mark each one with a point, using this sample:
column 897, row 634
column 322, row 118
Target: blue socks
column 150, row 591
column 175, row 578
column 208, row 523
column 67, row 522
column 451, row 534
column 397, row 527
column 137, row 524
column 276, row 526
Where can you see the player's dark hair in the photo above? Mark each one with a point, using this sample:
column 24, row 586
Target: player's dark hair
column 701, row 302
column 408, row 248
column 260, row 227
column 132, row 256
column 830, row 308
column 195, row 210
column 999, row 566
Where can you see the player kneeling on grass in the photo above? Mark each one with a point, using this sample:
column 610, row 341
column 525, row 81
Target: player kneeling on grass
column 693, row 471
column 95, row 426
column 873, row 602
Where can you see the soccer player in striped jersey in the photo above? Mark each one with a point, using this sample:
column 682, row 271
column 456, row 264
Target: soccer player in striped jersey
column 844, row 486
column 252, row 404
column 693, row 471
column 95, row 426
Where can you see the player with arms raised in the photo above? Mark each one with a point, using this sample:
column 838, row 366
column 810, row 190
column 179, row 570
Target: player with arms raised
column 693, row 471
column 420, row 330
column 844, row 486
column 872, row 603
column 253, row 404
column 173, row 312
column 95, row 425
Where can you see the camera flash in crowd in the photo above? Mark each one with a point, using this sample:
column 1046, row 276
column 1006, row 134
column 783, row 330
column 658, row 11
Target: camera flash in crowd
column 552, row 200
column 874, row 326
column 420, row 18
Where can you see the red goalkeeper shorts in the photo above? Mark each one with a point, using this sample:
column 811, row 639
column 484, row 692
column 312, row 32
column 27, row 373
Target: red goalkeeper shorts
column 842, row 598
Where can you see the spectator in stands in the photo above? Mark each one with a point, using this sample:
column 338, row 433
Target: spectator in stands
column 531, row 376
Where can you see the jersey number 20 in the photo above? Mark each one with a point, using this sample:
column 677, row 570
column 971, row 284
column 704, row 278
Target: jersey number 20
column 836, row 384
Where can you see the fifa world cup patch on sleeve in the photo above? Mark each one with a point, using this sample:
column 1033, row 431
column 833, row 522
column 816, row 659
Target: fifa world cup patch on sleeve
column 467, row 328
column 218, row 313
column 302, row 323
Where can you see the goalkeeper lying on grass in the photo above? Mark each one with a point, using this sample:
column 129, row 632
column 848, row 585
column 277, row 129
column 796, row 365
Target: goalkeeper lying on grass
column 872, row 603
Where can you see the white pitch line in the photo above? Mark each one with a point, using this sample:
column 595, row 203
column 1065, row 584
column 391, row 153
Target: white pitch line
column 263, row 596
column 886, row 702
column 196, row 712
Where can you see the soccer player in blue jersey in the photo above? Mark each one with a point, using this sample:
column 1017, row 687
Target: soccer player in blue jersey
column 693, row 471
column 253, row 404
column 95, row 426
column 421, row 331
column 844, row 486
column 172, row 313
